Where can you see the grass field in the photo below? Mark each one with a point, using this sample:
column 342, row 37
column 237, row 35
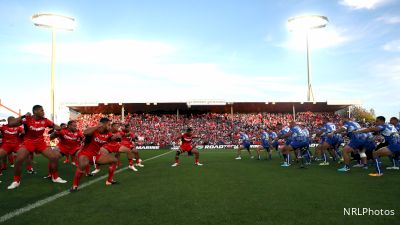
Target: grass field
column 223, row 191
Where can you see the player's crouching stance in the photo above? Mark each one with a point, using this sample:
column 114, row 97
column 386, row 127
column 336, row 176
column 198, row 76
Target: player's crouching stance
column 244, row 144
column 186, row 146
column 298, row 142
column 99, row 135
column 391, row 135
column 34, row 142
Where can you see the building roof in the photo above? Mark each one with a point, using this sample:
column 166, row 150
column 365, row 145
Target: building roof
column 211, row 106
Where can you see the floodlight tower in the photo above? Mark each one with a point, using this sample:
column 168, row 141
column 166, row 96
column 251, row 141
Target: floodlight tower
column 54, row 22
column 305, row 24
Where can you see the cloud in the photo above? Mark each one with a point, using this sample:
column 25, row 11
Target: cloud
column 392, row 46
column 382, row 89
column 328, row 37
column 363, row 4
column 389, row 19
column 112, row 53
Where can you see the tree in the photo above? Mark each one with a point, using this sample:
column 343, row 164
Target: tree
column 360, row 114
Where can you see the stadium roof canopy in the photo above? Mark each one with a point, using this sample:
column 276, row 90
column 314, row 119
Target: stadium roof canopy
column 204, row 106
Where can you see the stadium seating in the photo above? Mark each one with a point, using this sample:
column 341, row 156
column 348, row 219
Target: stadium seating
column 214, row 128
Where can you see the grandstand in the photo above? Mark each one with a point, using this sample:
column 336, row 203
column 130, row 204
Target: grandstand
column 207, row 106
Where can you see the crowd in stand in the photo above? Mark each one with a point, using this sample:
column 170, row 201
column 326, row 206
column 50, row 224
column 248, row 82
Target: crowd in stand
column 213, row 128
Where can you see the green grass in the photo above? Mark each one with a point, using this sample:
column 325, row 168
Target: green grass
column 223, row 191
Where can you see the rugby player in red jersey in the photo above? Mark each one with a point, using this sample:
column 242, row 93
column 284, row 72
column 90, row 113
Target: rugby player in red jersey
column 11, row 141
column 70, row 141
column 186, row 146
column 128, row 146
column 128, row 141
column 92, row 153
column 118, row 146
column 35, row 126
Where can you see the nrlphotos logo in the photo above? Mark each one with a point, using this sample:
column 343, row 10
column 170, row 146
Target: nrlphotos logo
column 368, row 212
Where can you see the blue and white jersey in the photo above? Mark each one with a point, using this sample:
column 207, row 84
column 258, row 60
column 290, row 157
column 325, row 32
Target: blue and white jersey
column 264, row 137
column 328, row 128
column 273, row 135
column 351, row 126
column 306, row 132
column 244, row 138
column 366, row 136
column 390, row 133
column 297, row 134
column 284, row 131
column 398, row 127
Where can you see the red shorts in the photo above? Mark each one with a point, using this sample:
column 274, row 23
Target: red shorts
column 34, row 146
column 186, row 148
column 92, row 156
column 114, row 147
column 9, row 148
column 127, row 144
column 67, row 151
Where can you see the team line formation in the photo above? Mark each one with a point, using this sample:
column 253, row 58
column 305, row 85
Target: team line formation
column 103, row 143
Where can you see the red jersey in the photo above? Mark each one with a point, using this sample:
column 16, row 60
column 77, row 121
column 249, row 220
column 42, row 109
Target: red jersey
column 11, row 134
column 125, row 138
column 34, row 129
column 121, row 133
column 186, row 139
column 68, row 139
column 97, row 141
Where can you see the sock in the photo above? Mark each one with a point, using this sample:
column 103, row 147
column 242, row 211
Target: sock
column 176, row 160
column 87, row 169
column 196, row 161
column 17, row 179
column 49, row 169
column 97, row 166
column 29, row 167
column 269, row 155
column 324, row 156
column 288, row 158
column 377, row 166
column 130, row 162
column 77, row 177
column 285, row 158
column 138, row 161
column 307, row 156
column 11, row 159
column 55, row 174
column 339, row 154
column 111, row 170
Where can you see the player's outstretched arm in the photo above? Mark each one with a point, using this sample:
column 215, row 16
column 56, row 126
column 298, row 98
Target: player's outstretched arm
column 288, row 134
column 18, row 121
column 366, row 130
column 89, row 131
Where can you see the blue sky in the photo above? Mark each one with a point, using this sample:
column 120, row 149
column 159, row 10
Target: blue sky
column 149, row 51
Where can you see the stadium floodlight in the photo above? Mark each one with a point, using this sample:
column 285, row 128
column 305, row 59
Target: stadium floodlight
column 305, row 24
column 53, row 22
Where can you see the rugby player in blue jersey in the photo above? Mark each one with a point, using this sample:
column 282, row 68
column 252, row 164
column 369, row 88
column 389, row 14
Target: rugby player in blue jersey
column 355, row 143
column 298, row 141
column 391, row 135
column 264, row 145
column 244, row 143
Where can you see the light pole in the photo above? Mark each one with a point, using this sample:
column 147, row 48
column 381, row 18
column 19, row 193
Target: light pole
column 305, row 24
column 54, row 22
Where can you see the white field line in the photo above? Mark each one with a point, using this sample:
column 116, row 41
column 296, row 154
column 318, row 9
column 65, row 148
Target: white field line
column 42, row 202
